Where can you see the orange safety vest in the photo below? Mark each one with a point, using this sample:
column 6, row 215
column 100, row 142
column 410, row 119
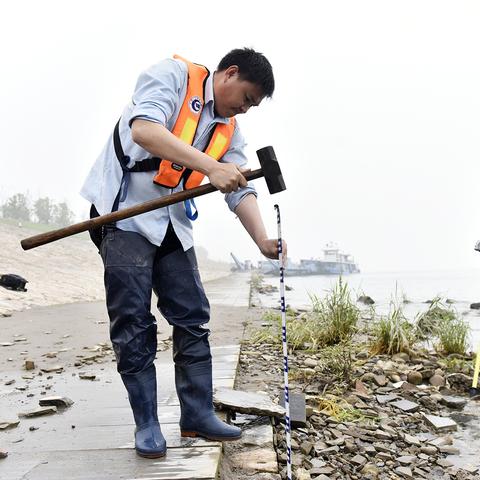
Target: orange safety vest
column 170, row 174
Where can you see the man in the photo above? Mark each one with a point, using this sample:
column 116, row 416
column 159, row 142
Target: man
column 178, row 111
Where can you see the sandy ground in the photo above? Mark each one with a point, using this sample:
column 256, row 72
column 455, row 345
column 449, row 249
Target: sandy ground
column 69, row 270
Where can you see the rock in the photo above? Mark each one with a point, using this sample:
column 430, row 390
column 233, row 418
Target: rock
column 383, row 399
column 57, row 401
column 3, row 453
column 402, row 356
column 366, row 300
column 440, row 424
column 54, row 368
column 303, row 474
column 437, row 381
column 256, row 460
column 429, row 450
column 406, row 460
column 414, row 377
column 6, row 424
column 411, row 440
column 404, row 472
column 10, row 382
column 247, row 402
column 380, row 380
column 12, row 281
column 29, row 365
column 6, row 344
column 405, row 405
column 475, row 306
column 453, row 402
column 370, row 471
column 358, row 460
column 298, row 414
column 86, row 376
column 38, row 412
column 306, row 447
column 310, row 362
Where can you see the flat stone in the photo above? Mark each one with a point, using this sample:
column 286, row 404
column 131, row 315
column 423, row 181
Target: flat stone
column 404, row 472
column 256, row 460
column 57, row 401
column 303, row 474
column 298, row 413
column 383, row 399
column 6, row 344
column 406, row 460
column 405, row 405
column 86, row 376
column 247, row 402
column 380, row 380
column 358, row 460
column 440, row 424
column 38, row 412
column 453, row 402
column 54, row 368
column 412, row 440
column 6, row 424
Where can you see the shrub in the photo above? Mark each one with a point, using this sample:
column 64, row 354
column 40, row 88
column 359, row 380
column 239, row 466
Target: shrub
column 429, row 323
column 453, row 336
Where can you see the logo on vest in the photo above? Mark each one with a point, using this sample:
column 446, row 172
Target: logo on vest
column 195, row 104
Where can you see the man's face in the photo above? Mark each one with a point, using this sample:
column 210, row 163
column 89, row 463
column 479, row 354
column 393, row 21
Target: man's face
column 234, row 96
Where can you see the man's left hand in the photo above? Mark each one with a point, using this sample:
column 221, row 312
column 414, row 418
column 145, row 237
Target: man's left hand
column 269, row 248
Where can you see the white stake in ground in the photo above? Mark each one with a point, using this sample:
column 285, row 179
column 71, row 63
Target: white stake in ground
column 285, row 346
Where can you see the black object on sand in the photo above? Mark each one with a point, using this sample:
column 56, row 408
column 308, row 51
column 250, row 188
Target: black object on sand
column 11, row 281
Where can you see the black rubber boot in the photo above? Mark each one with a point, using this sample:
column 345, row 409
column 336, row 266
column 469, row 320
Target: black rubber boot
column 194, row 390
column 142, row 393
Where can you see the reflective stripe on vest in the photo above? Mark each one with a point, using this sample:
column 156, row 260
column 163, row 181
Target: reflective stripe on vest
column 170, row 174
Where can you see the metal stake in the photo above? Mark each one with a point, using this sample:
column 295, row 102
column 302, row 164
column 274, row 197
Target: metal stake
column 285, row 347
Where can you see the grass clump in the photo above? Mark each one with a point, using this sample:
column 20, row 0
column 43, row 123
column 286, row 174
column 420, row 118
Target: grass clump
column 429, row 323
column 393, row 333
column 336, row 315
column 453, row 336
column 332, row 320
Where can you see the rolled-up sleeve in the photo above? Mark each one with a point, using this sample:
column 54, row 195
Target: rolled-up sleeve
column 158, row 91
column 236, row 154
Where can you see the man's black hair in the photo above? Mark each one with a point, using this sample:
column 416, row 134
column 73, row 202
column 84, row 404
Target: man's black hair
column 252, row 66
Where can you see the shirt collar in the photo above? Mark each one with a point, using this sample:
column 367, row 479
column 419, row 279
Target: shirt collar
column 209, row 99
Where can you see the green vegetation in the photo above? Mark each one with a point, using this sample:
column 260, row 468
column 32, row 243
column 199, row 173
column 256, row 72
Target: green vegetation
column 453, row 336
column 429, row 323
column 332, row 320
column 393, row 333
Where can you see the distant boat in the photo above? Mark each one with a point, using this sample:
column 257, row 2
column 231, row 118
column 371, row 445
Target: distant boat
column 334, row 262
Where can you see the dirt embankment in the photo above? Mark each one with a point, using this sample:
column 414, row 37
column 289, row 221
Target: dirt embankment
column 69, row 270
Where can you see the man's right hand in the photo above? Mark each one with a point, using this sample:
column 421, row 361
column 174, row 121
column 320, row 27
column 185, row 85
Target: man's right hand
column 227, row 177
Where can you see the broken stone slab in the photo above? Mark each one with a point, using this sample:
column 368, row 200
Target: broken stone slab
column 37, row 412
column 256, row 460
column 6, row 424
column 57, row 401
column 6, row 344
column 54, row 368
column 453, row 402
column 383, row 399
column 404, row 472
column 359, row 460
column 440, row 424
column 405, row 405
column 298, row 414
column 247, row 402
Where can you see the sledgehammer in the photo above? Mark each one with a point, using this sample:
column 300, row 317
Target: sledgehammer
column 270, row 170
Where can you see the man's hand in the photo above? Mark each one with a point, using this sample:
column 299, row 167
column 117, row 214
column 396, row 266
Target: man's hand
column 269, row 248
column 227, row 177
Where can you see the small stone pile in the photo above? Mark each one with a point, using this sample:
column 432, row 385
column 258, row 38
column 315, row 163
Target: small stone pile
column 389, row 420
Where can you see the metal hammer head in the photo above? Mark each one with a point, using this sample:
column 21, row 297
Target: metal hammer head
column 271, row 170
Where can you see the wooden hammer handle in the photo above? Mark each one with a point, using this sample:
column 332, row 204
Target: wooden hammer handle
column 52, row 236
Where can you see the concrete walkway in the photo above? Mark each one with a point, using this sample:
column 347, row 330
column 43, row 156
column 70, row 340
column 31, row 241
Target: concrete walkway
column 93, row 439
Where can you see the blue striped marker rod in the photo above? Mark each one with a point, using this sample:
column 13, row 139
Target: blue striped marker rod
column 285, row 348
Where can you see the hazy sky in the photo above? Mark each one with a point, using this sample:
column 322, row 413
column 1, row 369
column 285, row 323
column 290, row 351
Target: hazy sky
column 375, row 118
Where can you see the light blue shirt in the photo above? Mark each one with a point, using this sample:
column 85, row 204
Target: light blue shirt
column 158, row 97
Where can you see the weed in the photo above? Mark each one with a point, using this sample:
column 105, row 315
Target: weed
column 453, row 336
column 429, row 323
